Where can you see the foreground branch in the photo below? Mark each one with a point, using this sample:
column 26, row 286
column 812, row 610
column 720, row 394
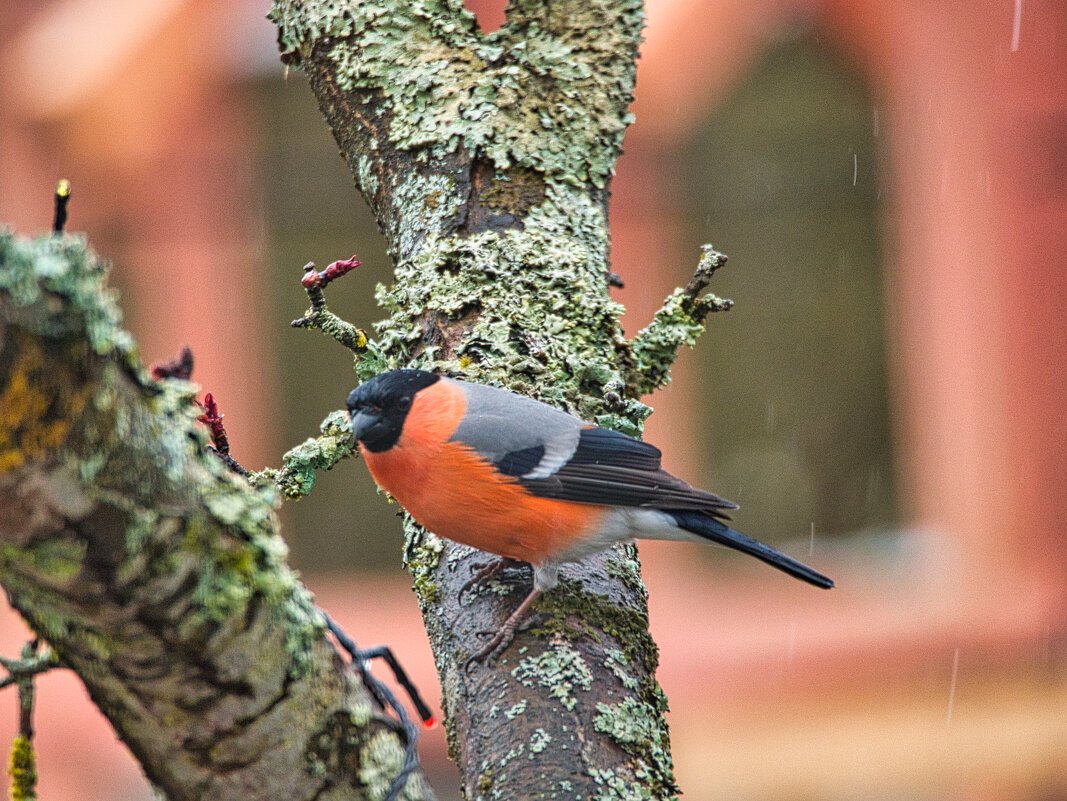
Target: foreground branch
column 153, row 571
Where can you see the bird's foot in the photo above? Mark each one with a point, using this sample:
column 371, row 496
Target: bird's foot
column 502, row 639
column 483, row 571
column 499, row 642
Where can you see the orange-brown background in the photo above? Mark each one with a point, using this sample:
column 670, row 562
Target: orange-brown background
column 889, row 396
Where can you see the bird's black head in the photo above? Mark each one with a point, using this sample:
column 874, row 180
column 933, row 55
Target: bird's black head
column 379, row 407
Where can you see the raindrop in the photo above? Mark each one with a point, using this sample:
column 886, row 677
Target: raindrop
column 952, row 685
column 1016, row 24
column 855, row 167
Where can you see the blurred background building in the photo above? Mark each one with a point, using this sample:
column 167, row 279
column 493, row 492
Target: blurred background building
column 888, row 398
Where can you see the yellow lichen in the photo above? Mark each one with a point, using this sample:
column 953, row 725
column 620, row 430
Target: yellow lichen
column 23, row 769
column 31, row 421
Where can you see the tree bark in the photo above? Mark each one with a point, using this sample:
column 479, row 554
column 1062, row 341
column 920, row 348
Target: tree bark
column 156, row 574
column 487, row 160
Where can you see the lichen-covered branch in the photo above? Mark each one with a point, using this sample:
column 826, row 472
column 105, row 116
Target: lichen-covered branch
column 680, row 321
column 153, row 571
column 29, row 664
column 318, row 316
column 296, row 477
column 22, row 764
column 487, row 160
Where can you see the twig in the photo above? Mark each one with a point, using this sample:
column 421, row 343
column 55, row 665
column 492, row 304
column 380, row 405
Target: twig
column 678, row 322
column 710, row 261
column 23, row 761
column 29, row 665
column 62, row 198
column 220, row 442
column 296, row 477
column 318, row 316
column 181, row 366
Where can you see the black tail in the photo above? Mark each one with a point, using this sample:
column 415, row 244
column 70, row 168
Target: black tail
column 717, row 531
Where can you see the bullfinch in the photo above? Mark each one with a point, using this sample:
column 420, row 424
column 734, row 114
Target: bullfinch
column 519, row 478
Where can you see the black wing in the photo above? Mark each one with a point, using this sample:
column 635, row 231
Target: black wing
column 611, row 468
column 519, row 463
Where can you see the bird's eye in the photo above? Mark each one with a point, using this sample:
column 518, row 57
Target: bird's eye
column 404, row 402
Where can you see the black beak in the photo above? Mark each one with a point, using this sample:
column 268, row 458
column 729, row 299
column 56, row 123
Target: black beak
column 367, row 425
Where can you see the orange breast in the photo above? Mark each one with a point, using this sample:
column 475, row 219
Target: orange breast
column 452, row 492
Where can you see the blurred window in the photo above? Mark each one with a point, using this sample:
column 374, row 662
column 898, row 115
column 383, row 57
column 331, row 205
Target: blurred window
column 783, row 177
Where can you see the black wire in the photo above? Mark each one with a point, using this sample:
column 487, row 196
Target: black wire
column 386, row 699
column 384, row 652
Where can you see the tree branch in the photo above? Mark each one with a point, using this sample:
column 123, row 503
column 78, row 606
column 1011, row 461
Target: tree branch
column 678, row 322
column 486, row 160
column 155, row 573
column 318, row 316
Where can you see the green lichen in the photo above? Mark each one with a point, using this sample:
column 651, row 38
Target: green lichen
column 680, row 321
column 639, row 731
column 40, row 404
column 248, row 567
column 423, row 557
column 34, row 599
column 616, row 661
column 539, row 741
column 571, row 603
column 380, row 761
column 64, row 266
column 616, row 788
column 636, row 654
column 513, row 753
column 447, row 86
column 629, row 724
column 560, row 669
column 515, row 710
column 429, row 200
column 513, row 297
column 142, row 436
column 627, row 569
column 296, row 478
column 59, row 559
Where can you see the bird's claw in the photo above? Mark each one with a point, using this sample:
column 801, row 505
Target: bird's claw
column 502, row 639
column 483, row 571
column 497, row 645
